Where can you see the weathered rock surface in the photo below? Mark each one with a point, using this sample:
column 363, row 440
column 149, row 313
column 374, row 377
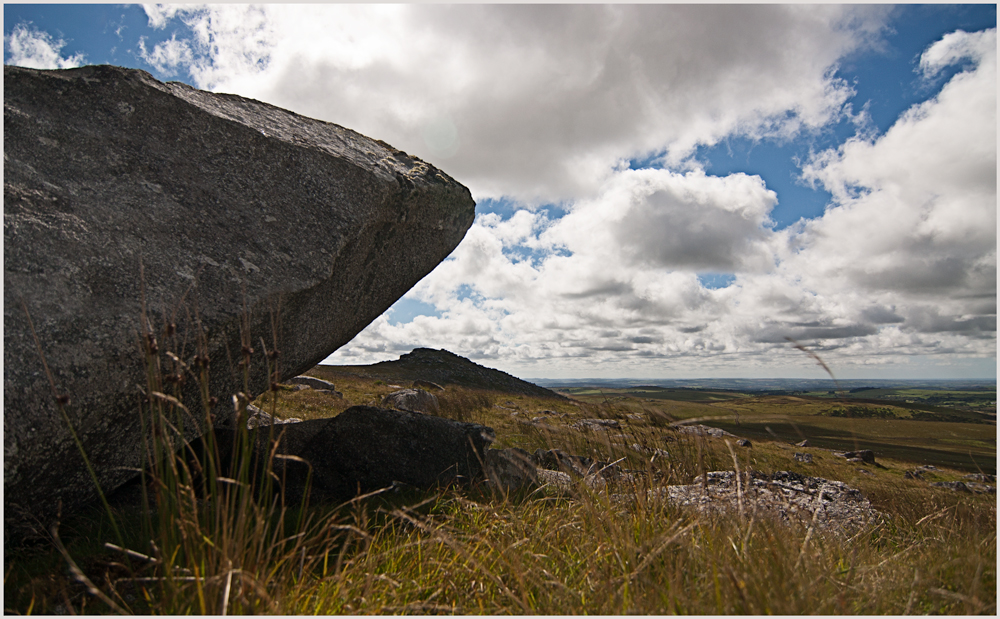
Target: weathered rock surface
column 257, row 418
column 131, row 205
column 415, row 400
column 367, row 448
column 831, row 505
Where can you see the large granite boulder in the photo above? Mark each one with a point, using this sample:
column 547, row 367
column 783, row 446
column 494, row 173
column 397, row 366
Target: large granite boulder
column 139, row 214
column 366, row 448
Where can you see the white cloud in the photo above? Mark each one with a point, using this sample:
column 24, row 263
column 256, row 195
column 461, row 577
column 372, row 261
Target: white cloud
column 34, row 49
column 166, row 56
column 915, row 209
column 537, row 102
column 546, row 104
column 902, row 265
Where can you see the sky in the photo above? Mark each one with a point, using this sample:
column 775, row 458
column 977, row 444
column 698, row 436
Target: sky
column 663, row 191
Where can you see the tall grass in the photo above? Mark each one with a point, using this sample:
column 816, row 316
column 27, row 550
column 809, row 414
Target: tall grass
column 215, row 536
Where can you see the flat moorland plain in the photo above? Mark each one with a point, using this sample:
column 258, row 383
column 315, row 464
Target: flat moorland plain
column 622, row 549
column 901, row 426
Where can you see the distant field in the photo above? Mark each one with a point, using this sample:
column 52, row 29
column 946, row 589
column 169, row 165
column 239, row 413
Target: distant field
column 657, row 393
column 914, row 431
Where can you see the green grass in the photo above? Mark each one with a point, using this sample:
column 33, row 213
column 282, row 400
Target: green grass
column 474, row 551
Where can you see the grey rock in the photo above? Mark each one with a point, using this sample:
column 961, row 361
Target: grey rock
column 864, row 455
column 744, row 443
column 257, row 418
column 803, row 457
column 597, row 424
column 414, row 400
column 366, row 448
column 125, row 196
column 914, row 474
column 804, row 443
column 703, row 430
column 832, row 505
column 427, row 385
column 957, row 486
column 510, row 469
column 309, row 381
column 981, row 488
column 981, row 477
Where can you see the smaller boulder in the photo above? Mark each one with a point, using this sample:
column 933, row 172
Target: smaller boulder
column 427, row 385
column 914, row 474
column 309, row 381
column 804, row 443
column 957, row 486
column 801, row 457
column 744, row 443
column 864, row 455
column 413, row 400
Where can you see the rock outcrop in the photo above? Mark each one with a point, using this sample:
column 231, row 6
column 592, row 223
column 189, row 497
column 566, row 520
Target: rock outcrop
column 446, row 368
column 142, row 214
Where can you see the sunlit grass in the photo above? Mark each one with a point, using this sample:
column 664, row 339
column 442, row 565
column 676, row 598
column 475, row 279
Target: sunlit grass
column 475, row 550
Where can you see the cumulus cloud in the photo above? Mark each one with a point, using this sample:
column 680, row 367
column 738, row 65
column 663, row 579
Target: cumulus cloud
column 32, row 48
column 166, row 56
column 537, row 106
column 918, row 204
column 537, row 103
column 902, row 264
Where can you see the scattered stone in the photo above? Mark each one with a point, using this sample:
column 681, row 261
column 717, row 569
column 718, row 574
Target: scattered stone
column 257, row 418
column 597, row 424
column 981, row 477
column 957, row 486
column 981, row 488
column 865, row 471
column 703, row 430
column 803, row 457
column 413, row 400
column 786, row 494
column 914, row 474
column 928, row 467
column 123, row 194
column 744, row 443
column 804, row 443
column 314, row 383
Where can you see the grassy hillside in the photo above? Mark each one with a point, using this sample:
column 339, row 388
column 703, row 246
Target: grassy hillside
column 623, row 550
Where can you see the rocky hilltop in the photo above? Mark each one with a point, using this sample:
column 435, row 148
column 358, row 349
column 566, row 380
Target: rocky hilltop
column 447, row 368
column 148, row 217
